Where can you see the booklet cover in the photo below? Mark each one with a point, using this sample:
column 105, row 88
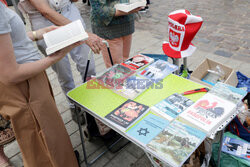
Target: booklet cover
column 236, row 147
column 64, row 36
column 230, row 93
column 158, row 70
column 172, row 106
column 137, row 62
column 176, row 143
column 145, row 130
column 208, row 113
column 130, row 5
column 133, row 86
column 126, row 114
column 114, row 77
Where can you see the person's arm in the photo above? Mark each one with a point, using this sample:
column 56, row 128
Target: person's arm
column 13, row 73
column 38, row 34
column 94, row 42
column 43, row 7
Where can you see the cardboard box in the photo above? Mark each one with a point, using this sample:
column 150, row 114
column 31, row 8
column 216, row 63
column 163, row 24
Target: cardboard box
column 201, row 71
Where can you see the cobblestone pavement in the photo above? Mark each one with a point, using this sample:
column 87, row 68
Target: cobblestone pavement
column 224, row 37
column 225, row 31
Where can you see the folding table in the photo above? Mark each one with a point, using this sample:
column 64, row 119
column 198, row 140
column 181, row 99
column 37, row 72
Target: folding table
column 100, row 101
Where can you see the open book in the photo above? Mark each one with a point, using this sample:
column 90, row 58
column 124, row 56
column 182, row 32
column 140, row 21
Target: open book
column 64, row 36
column 131, row 5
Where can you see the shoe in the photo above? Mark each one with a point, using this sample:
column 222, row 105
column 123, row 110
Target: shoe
column 78, row 158
column 86, row 134
column 81, row 117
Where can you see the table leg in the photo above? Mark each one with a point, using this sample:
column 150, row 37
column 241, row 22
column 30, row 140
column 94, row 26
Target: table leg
column 185, row 63
column 176, row 62
column 221, row 142
column 81, row 135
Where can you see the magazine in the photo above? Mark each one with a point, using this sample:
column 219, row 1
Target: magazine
column 133, row 86
column 236, row 147
column 64, row 36
column 176, row 143
column 130, row 5
column 114, row 77
column 126, row 114
column 208, row 113
column 172, row 106
column 146, row 129
column 158, row 70
column 137, row 62
column 228, row 92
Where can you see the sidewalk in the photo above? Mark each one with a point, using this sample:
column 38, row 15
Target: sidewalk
column 224, row 37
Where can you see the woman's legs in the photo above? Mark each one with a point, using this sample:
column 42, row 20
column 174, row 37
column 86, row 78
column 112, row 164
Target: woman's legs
column 127, row 41
column 119, row 48
column 115, row 46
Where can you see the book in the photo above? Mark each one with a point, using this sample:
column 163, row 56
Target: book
column 227, row 92
column 147, row 128
column 236, row 147
column 137, row 62
column 114, row 77
column 176, row 143
column 172, row 106
column 64, row 36
column 208, row 113
column 133, row 86
column 126, row 114
column 130, row 5
column 158, row 70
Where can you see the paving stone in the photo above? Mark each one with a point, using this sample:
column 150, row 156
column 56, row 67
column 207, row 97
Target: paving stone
column 203, row 40
column 135, row 150
column 71, row 127
column 143, row 161
column 11, row 149
column 242, row 58
column 66, row 116
column 223, row 53
column 123, row 159
column 17, row 161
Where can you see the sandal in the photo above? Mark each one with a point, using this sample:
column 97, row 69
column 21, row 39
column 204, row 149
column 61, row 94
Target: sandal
column 6, row 136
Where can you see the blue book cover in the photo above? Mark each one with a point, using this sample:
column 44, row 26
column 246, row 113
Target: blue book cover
column 145, row 130
column 172, row 106
column 158, row 70
column 176, row 143
column 236, row 147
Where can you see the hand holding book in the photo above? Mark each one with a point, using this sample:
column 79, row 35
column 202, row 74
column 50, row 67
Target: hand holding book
column 58, row 55
column 122, row 13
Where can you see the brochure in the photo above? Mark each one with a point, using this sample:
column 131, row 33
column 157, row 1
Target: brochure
column 126, row 114
column 146, row 129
